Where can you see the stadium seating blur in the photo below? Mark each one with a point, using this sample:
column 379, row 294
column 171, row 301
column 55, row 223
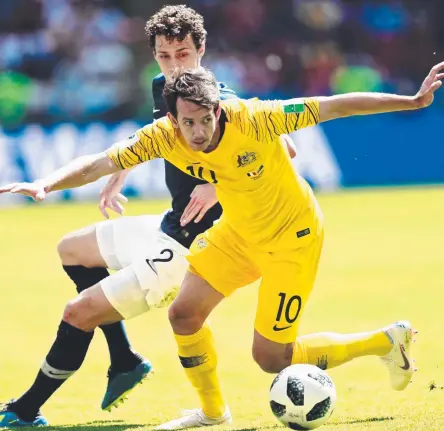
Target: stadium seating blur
column 88, row 60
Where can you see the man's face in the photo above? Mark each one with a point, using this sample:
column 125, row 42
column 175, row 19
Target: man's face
column 177, row 54
column 196, row 123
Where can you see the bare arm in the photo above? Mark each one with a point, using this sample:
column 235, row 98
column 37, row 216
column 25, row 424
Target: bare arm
column 346, row 105
column 125, row 154
column 81, row 171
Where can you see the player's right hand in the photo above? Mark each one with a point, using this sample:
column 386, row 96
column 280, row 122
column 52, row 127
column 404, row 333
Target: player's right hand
column 33, row 190
column 110, row 196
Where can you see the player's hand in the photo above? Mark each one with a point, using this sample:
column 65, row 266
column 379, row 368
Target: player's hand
column 203, row 198
column 424, row 97
column 33, row 190
column 110, row 196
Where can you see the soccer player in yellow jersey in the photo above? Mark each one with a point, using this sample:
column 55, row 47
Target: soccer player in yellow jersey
column 271, row 226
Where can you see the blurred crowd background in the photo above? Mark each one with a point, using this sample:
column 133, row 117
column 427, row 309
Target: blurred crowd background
column 88, row 60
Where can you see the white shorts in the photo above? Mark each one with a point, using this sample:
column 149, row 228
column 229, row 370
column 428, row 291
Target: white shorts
column 151, row 265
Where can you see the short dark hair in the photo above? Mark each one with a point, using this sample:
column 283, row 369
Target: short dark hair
column 176, row 23
column 194, row 85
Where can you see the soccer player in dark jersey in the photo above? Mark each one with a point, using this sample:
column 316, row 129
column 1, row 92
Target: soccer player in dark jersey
column 177, row 36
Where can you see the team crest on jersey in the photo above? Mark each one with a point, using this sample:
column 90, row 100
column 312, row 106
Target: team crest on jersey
column 201, row 243
column 255, row 175
column 245, row 158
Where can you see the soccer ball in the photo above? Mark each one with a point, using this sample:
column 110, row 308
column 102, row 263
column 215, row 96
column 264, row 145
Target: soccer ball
column 302, row 397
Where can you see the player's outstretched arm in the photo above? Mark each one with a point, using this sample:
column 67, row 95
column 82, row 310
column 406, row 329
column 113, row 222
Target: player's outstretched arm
column 81, row 171
column 346, row 105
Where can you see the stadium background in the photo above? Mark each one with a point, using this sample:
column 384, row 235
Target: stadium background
column 76, row 75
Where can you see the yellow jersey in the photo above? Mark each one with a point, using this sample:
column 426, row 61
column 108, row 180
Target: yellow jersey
column 263, row 199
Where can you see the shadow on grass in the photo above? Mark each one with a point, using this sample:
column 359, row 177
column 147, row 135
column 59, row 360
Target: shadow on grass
column 93, row 426
column 266, row 427
column 365, row 420
column 119, row 425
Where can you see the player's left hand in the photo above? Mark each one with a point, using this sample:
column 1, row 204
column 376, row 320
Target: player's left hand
column 34, row 190
column 424, row 97
column 203, row 198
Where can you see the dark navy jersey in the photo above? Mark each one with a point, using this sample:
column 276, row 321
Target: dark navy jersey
column 181, row 185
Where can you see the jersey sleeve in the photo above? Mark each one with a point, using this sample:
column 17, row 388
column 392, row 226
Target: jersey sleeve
column 265, row 120
column 153, row 141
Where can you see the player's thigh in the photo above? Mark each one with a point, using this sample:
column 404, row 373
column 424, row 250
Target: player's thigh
column 151, row 281
column 284, row 291
column 90, row 309
column 219, row 257
column 123, row 240
column 81, row 248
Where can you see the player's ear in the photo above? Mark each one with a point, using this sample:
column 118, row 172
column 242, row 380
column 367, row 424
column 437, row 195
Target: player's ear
column 173, row 120
column 201, row 50
column 217, row 112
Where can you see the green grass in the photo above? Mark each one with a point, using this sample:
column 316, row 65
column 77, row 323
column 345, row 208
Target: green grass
column 383, row 261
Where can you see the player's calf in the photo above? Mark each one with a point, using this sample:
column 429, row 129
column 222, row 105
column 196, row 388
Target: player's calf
column 83, row 261
column 91, row 309
column 271, row 357
column 64, row 358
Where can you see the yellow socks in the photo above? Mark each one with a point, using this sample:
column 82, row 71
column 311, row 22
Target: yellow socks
column 198, row 357
column 328, row 350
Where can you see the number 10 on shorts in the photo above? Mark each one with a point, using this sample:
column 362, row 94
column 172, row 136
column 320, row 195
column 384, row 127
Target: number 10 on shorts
column 288, row 311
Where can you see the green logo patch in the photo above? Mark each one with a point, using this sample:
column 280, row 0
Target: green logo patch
column 294, row 108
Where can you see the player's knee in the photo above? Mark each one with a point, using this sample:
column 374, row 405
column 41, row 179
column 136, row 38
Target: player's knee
column 72, row 314
column 184, row 319
column 64, row 248
column 79, row 313
column 69, row 250
column 80, row 248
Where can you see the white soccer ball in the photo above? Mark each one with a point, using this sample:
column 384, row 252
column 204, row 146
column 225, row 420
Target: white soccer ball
column 302, row 397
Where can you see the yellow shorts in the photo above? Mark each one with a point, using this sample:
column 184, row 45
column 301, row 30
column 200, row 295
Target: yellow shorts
column 222, row 258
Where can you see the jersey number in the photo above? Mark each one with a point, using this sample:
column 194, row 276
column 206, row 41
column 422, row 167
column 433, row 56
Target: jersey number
column 168, row 258
column 200, row 172
column 292, row 307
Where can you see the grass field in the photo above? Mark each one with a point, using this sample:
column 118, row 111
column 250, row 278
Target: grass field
column 383, row 261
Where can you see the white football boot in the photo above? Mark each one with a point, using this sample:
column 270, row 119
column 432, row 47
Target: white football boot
column 195, row 418
column 399, row 360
